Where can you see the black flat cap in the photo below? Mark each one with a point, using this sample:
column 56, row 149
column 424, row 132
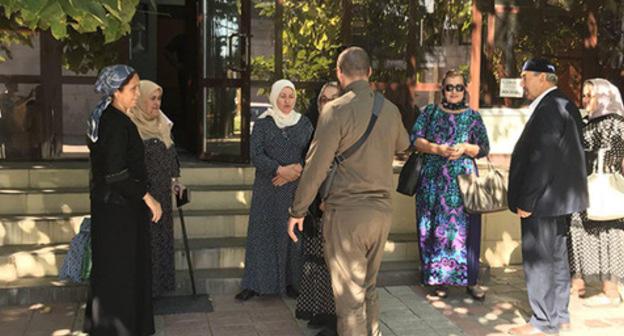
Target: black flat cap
column 538, row 65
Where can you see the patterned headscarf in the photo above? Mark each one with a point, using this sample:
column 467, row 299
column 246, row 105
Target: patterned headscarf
column 608, row 98
column 280, row 118
column 109, row 80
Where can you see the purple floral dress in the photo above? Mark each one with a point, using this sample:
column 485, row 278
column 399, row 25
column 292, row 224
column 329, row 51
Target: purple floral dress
column 449, row 237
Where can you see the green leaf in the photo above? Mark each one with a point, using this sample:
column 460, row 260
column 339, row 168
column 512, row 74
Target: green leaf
column 57, row 20
column 113, row 10
column 35, row 6
column 113, row 31
column 128, row 9
column 95, row 9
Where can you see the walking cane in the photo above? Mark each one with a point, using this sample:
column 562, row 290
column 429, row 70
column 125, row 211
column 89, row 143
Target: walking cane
column 184, row 304
column 180, row 201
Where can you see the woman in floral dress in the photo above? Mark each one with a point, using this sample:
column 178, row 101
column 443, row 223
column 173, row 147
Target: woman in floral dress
column 451, row 136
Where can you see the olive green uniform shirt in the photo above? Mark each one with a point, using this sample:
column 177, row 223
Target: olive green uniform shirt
column 365, row 178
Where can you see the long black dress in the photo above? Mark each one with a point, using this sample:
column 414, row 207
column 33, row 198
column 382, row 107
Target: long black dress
column 120, row 296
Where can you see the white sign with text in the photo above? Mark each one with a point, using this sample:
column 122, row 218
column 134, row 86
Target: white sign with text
column 511, row 87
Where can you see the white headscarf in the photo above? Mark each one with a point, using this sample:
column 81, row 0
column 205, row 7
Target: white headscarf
column 281, row 119
column 608, row 98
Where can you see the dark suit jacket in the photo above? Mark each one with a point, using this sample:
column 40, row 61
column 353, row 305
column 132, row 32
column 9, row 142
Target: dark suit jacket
column 547, row 175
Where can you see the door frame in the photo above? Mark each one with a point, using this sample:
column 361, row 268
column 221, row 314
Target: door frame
column 243, row 83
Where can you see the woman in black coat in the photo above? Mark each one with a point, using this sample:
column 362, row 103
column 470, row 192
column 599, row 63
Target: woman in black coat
column 120, row 296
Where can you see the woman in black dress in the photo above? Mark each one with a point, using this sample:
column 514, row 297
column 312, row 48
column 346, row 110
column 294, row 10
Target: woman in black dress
column 120, row 298
column 278, row 146
column 163, row 170
column 316, row 298
column 596, row 248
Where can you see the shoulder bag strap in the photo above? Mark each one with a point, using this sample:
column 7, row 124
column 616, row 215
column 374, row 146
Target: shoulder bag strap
column 377, row 104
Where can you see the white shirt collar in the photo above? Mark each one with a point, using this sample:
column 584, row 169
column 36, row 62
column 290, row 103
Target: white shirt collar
column 537, row 100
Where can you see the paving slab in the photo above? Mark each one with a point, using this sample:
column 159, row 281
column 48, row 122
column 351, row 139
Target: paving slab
column 405, row 311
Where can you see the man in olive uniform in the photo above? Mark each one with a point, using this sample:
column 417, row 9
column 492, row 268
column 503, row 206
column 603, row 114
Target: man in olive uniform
column 358, row 208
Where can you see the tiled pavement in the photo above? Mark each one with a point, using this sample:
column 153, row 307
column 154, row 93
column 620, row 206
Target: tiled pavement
column 406, row 310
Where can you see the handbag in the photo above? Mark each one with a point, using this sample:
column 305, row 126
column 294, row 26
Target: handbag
column 183, row 197
column 409, row 177
column 77, row 264
column 606, row 193
column 484, row 193
column 410, row 174
column 338, row 159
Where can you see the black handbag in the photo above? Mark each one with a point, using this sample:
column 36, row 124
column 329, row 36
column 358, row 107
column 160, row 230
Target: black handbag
column 410, row 174
column 183, row 197
column 338, row 159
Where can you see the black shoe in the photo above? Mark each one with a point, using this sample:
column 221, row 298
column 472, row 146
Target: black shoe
column 440, row 291
column 245, row 295
column 317, row 322
column 476, row 292
column 327, row 332
column 291, row 292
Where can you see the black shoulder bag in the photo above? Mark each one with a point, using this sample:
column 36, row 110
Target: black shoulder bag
column 410, row 174
column 338, row 159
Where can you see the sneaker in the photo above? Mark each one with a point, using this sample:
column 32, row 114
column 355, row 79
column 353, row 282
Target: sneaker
column 602, row 300
column 528, row 330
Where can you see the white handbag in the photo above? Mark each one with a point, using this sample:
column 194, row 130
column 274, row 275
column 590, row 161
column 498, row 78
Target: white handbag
column 606, row 193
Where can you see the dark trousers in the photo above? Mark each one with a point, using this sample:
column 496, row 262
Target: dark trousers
column 473, row 249
column 546, row 269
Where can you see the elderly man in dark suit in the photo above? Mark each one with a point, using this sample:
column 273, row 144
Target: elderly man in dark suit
column 547, row 183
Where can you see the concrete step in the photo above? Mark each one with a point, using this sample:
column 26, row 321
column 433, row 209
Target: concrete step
column 61, row 228
column 49, row 289
column 28, row 291
column 209, row 253
column 76, row 175
column 39, row 229
column 76, row 200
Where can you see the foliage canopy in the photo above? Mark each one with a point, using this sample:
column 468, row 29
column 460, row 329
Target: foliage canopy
column 83, row 26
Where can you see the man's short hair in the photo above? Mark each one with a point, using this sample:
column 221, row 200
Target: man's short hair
column 354, row 61
column 552, row 78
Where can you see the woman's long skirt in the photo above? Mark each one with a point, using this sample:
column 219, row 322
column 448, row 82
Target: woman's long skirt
column 120, row 295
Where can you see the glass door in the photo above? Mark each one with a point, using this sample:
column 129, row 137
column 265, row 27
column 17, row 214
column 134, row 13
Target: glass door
column 224, row 35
